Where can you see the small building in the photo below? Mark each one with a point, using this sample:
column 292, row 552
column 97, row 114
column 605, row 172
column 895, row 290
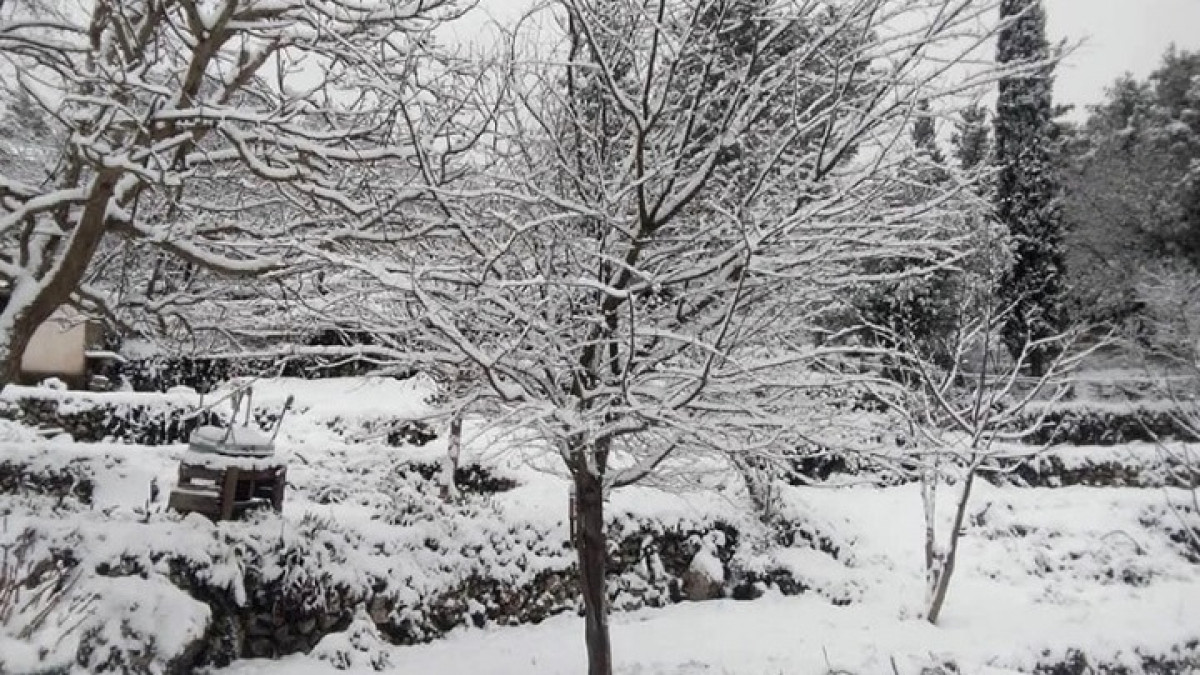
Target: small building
column 69, row 345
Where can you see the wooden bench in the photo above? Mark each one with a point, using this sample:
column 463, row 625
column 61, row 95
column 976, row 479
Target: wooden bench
column 223, row 488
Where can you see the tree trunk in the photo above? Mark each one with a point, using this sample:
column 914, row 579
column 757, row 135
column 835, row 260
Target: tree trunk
column 946, row 569
column 61, row 275
column 450, row 461
column 1037, row 362
column 590, row 546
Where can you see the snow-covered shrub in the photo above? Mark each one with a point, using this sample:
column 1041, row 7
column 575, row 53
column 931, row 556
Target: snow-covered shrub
column 160, row 373
column 1170, row 295
column 360, row 645
column 68, row 479
column 123, row 417
column 39, row 606
column 163, row 419
column 142, row 626
column 1103, row 423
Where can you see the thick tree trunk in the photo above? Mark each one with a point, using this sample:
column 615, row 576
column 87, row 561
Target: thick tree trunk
column 57, row 278
column 590, row 546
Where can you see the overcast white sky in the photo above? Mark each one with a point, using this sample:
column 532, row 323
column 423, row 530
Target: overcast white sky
column 1116, row 36
column 1119, row 36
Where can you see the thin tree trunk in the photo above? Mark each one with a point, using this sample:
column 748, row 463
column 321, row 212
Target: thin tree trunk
column 450, row 461
column 947, row 566
column 590, row 546
column 929, row 507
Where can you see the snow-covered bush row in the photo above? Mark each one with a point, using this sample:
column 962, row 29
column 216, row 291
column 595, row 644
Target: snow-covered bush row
column 364, row 532
column 163, row 419
column 267, row 588
column 158, row 374
column 1108, row 422
column 1147, row 465
column 1136, row 464
column 140, row 419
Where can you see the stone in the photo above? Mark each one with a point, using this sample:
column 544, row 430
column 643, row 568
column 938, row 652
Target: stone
column 704, row 578
column 378, row 609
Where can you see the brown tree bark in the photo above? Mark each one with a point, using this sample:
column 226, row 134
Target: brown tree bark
column 591, row 549
column 62, row 274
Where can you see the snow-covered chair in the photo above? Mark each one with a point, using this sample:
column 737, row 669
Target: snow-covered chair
column 228, row 470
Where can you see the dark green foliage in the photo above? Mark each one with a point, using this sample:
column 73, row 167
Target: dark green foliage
column 1027, row 183
column 924, row 134
column 1133, row 198
column 1085, row 425
column 971, row 139
column 919, row 310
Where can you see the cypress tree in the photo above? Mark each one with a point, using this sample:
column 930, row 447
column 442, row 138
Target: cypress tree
column 1027, row 185
column 971, row 139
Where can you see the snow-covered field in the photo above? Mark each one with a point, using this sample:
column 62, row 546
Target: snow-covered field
column 1044, row 572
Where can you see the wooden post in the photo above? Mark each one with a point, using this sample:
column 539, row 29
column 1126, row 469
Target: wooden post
column 277, row 490
column 229, row 493
column 571, row 513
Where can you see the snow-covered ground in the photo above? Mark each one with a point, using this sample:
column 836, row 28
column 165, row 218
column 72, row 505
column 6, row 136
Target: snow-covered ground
column 1043, row 571
column 996, row 633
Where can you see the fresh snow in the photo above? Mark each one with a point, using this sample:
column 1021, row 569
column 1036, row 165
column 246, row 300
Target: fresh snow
column 1042, row 571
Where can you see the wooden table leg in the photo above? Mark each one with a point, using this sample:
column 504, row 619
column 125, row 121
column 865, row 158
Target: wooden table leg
column 277, row 490
column 229, row 493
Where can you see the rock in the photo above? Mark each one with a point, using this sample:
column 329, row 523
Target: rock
column 378, row 610
column 705, row 576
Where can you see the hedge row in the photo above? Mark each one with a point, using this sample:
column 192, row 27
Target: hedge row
column 1104, row 424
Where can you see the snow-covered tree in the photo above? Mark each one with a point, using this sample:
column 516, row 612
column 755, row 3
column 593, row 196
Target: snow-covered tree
column 918, row 305
column 971, row 138
column 226, row 137
column 1027, row 190
column 668, row 217
column 964, row 413
column 1132, row 182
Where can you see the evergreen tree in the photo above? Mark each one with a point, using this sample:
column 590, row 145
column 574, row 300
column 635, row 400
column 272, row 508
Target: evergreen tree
column 971, row 139
column 1027, row 184
column 924, row 134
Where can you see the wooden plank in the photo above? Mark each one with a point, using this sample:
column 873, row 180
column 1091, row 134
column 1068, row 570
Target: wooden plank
column 188, row 501
column 190, row 472
column 224, row 494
